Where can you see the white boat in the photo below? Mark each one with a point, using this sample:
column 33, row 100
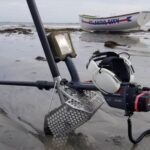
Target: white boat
column 125, row 22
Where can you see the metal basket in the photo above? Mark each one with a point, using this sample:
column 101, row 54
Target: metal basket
column 78, row 109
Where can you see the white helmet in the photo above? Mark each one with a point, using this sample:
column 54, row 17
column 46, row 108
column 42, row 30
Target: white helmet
column 108, row 70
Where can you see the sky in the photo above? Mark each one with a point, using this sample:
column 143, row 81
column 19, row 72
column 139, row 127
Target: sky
column 67, row 11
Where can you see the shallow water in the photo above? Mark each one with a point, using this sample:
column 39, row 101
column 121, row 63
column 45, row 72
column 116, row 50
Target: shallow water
column 23, row 108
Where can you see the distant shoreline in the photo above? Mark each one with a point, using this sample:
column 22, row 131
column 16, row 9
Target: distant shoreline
column 28, row 31
column 31, row 23
column 28, row 28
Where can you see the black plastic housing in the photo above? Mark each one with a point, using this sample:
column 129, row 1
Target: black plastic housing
column 144, row 102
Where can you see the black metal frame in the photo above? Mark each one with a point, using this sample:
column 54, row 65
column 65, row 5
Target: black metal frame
column 44, row 41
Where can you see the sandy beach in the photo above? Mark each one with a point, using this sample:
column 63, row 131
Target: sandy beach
column 22, row 109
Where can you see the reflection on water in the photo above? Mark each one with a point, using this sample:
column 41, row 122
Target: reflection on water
column 135, row 43
column 122, row 39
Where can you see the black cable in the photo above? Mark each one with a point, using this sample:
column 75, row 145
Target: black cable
column 135, row 141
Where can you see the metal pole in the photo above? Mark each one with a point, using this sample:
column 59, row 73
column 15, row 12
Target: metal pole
column 39, row 84
column 42, row 35
column 72, row 70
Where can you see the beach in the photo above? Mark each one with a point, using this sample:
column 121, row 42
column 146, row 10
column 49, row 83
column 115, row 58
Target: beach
column 22, row 109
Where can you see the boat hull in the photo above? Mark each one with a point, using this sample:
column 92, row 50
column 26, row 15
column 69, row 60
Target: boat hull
column 133, row 21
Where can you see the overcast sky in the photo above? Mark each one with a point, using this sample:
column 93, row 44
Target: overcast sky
column 62, row 11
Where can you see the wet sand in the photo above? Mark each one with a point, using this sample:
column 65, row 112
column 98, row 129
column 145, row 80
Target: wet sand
column 23, row 108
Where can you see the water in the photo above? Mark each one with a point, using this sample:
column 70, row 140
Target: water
column 23, row 108
column 30, row 24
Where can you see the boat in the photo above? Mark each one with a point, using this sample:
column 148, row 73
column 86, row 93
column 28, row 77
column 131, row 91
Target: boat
column 125, row 22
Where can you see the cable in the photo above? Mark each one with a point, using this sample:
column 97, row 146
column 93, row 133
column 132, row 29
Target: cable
column 135, row 141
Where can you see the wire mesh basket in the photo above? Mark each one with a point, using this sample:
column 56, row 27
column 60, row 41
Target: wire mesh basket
column 78, row 108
